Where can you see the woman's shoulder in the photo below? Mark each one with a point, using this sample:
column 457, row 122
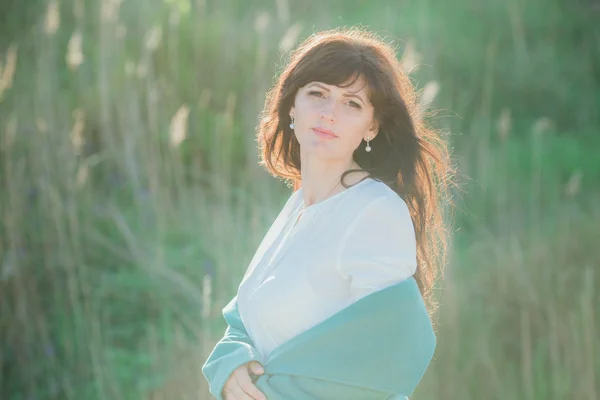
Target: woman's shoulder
column 294, row 199
column 375, row 191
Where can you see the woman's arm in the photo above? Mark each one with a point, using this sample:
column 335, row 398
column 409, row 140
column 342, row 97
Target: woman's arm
column 379, row 248
column 232, row 351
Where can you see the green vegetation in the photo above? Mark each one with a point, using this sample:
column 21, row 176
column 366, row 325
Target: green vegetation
column 131, row 200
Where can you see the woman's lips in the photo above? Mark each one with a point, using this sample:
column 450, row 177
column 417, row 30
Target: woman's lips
column 324, row 133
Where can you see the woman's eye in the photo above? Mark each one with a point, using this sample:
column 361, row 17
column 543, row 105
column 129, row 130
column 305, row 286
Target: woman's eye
column 318, row 94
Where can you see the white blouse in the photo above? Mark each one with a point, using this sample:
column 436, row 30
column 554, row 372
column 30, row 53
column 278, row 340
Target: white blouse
column 351, row 244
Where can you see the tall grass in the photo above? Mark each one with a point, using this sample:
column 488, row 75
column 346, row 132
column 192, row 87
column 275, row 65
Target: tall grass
column 132, row 202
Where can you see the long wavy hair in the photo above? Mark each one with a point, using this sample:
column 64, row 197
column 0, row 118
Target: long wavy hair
column 409, row 157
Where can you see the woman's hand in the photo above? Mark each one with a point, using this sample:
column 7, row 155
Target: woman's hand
column 239, row 386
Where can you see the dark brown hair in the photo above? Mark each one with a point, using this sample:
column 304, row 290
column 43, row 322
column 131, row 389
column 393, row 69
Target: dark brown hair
column 410, row 158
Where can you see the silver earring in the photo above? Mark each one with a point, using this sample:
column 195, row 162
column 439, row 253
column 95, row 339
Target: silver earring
column 368, row 148
column 292, row 124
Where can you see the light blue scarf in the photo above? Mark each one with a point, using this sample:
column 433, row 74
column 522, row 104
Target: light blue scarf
column 377, row 348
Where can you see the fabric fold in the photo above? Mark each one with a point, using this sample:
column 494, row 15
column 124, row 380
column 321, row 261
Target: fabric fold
column 379, row 347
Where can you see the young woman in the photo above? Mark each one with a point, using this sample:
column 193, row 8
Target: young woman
column 336, row 302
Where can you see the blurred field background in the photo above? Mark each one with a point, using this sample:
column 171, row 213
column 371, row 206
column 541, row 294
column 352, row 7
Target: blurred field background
column 131, row 200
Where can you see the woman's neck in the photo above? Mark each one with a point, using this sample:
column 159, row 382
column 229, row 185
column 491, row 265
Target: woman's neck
column 322, row 180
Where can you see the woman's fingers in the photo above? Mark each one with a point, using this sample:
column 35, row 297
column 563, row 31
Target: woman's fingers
column 256, row 368
column 240, row 385
column 243, row 379
column 237, row 393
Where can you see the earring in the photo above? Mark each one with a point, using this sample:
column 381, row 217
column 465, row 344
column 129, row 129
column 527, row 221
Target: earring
column 292, row 124
column 368, row 148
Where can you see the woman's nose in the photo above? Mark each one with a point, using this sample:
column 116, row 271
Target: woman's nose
column 328, row 113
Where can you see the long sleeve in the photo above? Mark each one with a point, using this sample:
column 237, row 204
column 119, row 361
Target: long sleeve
column 379, row 248
column 232, row 351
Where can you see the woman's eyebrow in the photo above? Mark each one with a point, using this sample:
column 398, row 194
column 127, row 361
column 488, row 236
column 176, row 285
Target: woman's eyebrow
column 345, row 94
column 355, row 96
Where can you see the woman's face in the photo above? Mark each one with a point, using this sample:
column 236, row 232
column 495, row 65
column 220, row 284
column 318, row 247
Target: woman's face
column 345, row 113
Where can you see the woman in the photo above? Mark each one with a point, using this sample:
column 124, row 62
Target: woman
column 333, row 304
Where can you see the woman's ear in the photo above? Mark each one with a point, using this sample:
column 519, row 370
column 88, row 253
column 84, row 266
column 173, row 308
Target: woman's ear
column 292, row 111
column 373, row 130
